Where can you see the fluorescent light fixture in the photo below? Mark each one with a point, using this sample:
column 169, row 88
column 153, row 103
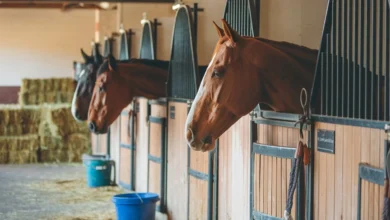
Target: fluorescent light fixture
column 105, row 5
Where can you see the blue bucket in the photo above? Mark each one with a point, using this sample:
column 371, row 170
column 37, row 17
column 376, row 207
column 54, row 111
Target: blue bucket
column 99, row 170
column 135, row 206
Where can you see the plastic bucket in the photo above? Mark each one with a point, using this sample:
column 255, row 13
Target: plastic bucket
column 99, row 170
column 135, row 206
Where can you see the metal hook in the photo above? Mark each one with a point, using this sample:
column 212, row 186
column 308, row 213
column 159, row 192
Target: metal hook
column 303, row 104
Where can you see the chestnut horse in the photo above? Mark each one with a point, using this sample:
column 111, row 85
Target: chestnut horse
column 243, row 73
column 118, row 83
column 85, row 83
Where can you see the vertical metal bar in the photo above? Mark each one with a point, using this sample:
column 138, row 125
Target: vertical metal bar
column 310, row 175
column 381, row 72
column 339, row 58
column 359, row 199
column 361, row 63
column 343, row 60
column 380, row 29
column 356, row 48
column 368, row 52
column 252, row 158
column 387, row 60
column 333, row 38
column 373, row 72
column 155, row 28
column 132, row 170
column 216, row 180
column 322, row 82
column 349, row 60
column 210, row 182
column 327, row 77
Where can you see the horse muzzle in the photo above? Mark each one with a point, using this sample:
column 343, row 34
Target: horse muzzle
column 205, row 144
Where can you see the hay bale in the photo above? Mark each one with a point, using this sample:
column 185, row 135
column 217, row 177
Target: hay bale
column 23, row 149
column 77, row 145
column 4, row 153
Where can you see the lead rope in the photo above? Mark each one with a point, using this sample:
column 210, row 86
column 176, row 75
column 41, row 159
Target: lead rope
column 301, row 158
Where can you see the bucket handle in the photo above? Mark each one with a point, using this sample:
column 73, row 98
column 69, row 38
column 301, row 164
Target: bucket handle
column 113, row 170
column 142, row 201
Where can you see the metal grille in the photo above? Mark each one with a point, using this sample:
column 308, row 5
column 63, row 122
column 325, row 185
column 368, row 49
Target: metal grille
column 352, row 75
column 107, row 47
column 147, row 49
column 124, row 48
column 183, row 69
column 243, row 17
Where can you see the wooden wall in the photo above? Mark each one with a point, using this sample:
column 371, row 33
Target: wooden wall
column 141, row 143
column 177, row 197
column 234, row 156
column 272, row 175
column 198, row 190
column 155, row 148
column 336, row 175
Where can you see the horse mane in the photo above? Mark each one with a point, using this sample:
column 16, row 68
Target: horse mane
column 302, row 54
column 162, row 64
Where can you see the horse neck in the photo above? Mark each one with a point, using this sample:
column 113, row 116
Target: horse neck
column 277, row 82
column 146, row 81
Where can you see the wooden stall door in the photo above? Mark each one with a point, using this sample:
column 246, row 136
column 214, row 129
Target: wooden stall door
column 177, row 195
column 349, row 183
column 273, row 152
column 141, row 145
column 99, row 144
column 156, row 153
column 127, row 150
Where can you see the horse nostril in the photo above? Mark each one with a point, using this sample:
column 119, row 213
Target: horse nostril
column 207, row 140
column 190, row 135
column 91, row 126
column 77, row 114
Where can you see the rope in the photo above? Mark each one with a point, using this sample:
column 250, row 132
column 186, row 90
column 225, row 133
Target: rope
column 297, row 166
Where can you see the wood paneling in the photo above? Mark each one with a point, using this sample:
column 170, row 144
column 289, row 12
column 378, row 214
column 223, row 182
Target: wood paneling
column 336, row 175
column 99, row 144
column 141, row 143
column 154, row 177
column 271, row 177
column 198, row 199
column 124, row 170
column 234, row 154
column 177, row 197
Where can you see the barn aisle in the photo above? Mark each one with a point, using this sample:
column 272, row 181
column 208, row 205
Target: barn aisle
column 52, row 191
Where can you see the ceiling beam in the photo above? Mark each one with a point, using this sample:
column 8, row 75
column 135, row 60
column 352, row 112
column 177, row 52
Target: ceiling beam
column 92, row 1
column 49, row 6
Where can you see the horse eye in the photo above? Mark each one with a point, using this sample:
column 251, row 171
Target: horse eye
column 102, row 89
column 217, row 74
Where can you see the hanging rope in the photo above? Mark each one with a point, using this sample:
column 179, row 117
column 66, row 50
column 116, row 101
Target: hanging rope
column 301, row 158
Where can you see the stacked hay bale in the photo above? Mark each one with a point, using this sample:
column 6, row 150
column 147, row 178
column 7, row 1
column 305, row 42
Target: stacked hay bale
column 52, row 91
column 41, row 127
column 19, row 139
column 62, row 138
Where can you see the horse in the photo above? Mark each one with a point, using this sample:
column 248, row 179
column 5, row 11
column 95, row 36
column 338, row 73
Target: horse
column 245, row 72
column 85, row 83
column 118, row 83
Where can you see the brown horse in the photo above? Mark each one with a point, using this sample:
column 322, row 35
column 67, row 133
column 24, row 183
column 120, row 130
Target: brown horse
column 244, row 72
column 118, row 83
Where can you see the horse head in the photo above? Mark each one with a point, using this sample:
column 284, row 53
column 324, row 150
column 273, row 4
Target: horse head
column 85, row 84
column 110, row 95
column 229, row 79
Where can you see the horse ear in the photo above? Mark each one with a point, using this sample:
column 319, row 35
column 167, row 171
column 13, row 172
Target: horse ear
column 219, row 30
column 85, row 56
column 111, row 62
column 230, row 32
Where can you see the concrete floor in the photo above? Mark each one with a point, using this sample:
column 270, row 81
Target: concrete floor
column 53, row 191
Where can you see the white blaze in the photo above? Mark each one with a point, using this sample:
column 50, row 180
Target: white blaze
column 197, row 97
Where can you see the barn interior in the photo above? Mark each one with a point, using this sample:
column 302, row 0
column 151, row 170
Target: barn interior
column 60, row 161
